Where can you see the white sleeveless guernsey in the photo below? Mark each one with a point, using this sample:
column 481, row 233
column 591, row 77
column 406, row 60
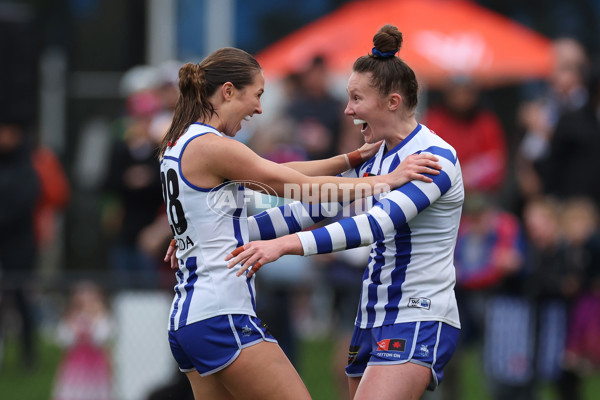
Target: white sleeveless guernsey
column 208, row 223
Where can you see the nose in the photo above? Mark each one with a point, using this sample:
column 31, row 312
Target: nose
column 258, row 109
column 348, row 110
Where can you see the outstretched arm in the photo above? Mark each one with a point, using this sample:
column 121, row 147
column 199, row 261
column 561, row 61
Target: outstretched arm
column 297, row 216
column 338, row 164
column 388, row 214
column 243, row 165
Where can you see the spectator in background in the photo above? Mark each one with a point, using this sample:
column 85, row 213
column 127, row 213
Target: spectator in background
column 84, row 332
column 133, row 179
column 55, row 192
column 564, row 92
column 489, row 253
column 475, row 133
column 20, row 189
column 526, row 326
column 167, row 88
column 573, row 147
column 582, row 287
column 510, row 339
column 316, row 113
column 583, row 349
column 275, row 140
column 556, row 275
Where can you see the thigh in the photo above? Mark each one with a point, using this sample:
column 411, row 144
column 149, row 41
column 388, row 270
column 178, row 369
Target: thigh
column 263, row 372
column 426, row 343
column 353, row 383
column 208, row 387
column 406, row 381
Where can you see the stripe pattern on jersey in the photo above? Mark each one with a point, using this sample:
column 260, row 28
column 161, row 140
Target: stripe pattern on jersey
column 213, row 227
column 403, row 227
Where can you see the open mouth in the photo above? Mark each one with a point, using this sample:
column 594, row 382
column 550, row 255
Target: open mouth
column 247, row 118
column 363, row 122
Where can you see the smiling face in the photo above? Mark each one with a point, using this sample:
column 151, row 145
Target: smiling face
column 366, row 103
column 243, row 104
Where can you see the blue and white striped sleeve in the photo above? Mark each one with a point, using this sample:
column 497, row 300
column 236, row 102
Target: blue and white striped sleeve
column 387, row 215
column 292, row 217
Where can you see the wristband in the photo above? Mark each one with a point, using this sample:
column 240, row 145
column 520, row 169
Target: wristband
column 348, row 165
column 353, row 159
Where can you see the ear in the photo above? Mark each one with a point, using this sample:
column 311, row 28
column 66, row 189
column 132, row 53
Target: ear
column 394, row 101
column 227, row 90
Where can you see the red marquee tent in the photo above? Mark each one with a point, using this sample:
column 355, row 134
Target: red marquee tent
column 441, row 38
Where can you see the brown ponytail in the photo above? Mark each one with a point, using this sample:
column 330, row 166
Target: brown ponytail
column 198, row 82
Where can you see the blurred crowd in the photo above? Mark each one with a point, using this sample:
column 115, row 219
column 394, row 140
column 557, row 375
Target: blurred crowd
column 527, row 257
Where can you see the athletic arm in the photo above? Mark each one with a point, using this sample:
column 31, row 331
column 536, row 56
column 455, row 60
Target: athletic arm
column 297, row 216
column 228, row 159
column 386, row 216
column 335, row 165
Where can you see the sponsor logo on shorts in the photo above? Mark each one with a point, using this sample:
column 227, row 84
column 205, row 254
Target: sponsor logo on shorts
column 419, row 302
column 352, row 353
column 392, row 345
column 423, row 350
column 247, row 331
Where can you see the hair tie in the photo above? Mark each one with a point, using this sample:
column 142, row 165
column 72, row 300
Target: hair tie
column 381, row 54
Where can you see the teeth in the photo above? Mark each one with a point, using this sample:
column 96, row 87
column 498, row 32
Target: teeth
column 359, row 122
column 247, row 118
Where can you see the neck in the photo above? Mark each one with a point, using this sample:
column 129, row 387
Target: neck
column 214, row 121
column 400, row 133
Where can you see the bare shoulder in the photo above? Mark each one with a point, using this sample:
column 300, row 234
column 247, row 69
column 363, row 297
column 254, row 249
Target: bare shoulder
column 207, row 159
column 199, row 161
column 211, row 146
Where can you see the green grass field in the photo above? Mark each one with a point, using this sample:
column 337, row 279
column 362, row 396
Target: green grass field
column 19, row 383
column 16, row 383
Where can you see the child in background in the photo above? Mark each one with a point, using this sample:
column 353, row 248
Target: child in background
column 84, row 332
column 582, row 353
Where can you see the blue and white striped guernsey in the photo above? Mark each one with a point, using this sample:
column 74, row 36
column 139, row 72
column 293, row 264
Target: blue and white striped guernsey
column 412, row 231
column 207, row 224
